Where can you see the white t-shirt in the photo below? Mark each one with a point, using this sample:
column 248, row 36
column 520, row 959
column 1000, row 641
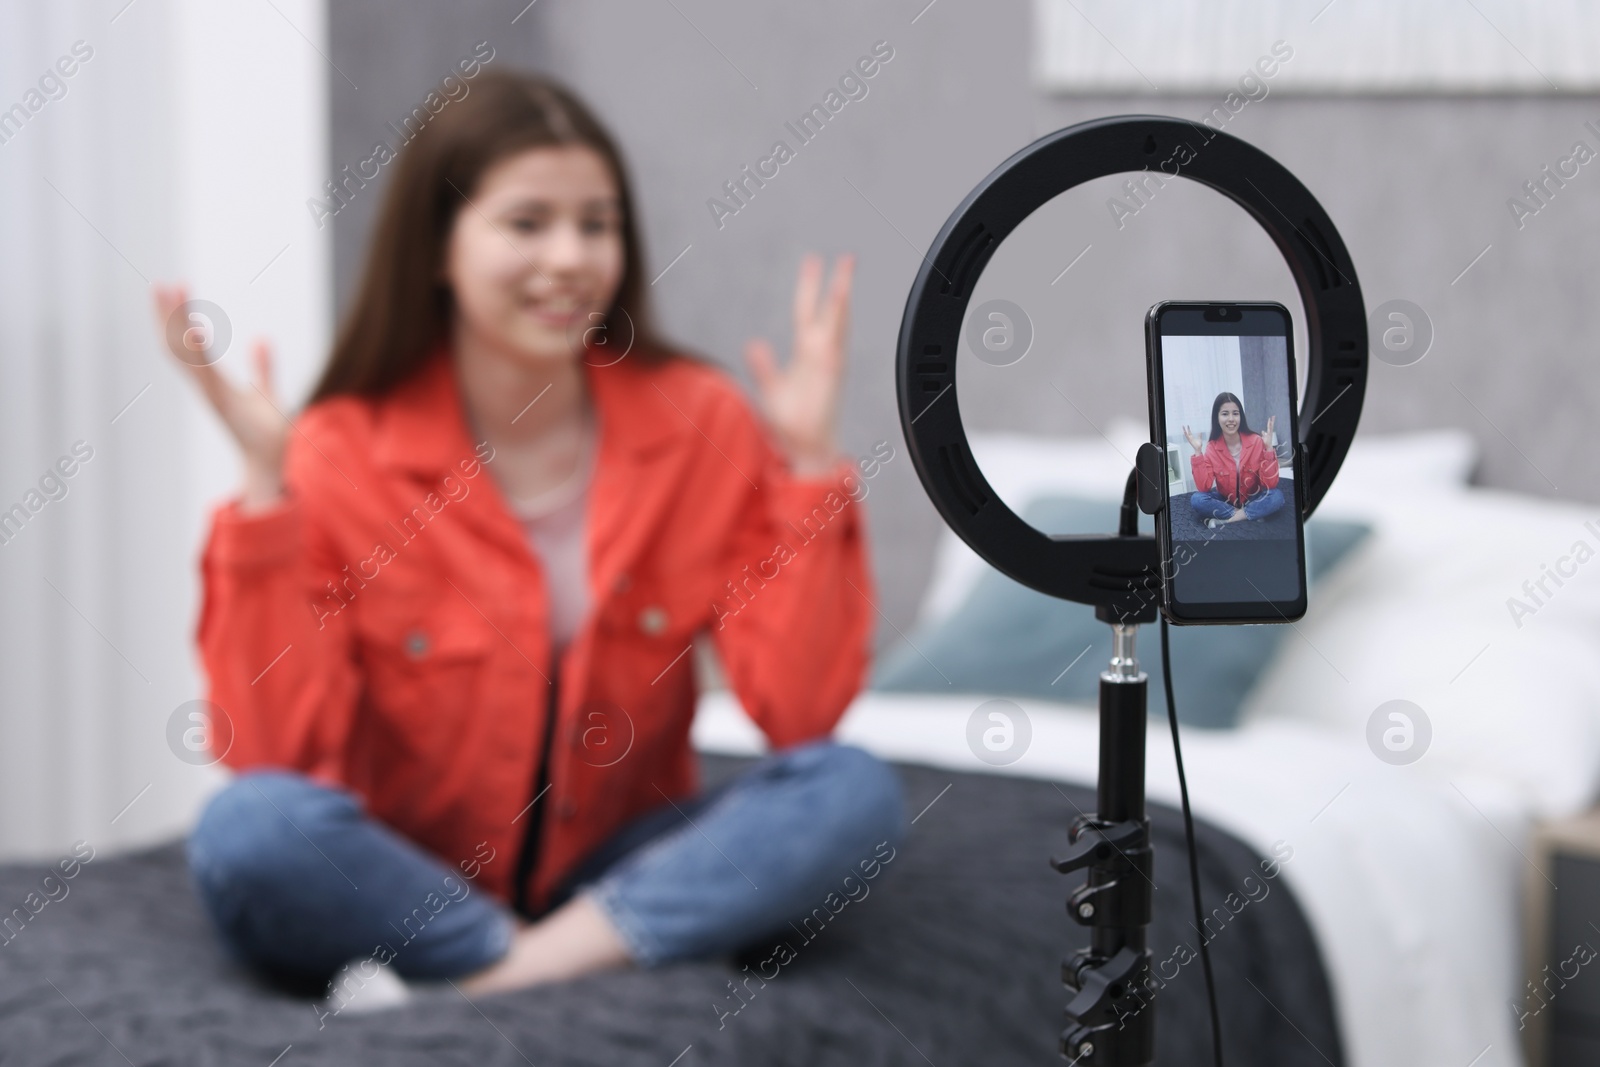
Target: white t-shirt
column 556, row 524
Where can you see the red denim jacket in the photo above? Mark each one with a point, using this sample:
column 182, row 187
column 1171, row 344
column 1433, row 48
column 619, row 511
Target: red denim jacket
column 1214, row 469
column 385, row 628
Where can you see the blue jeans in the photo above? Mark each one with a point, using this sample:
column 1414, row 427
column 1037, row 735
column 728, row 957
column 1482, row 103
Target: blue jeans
column 1262, row 502
column 300, row 880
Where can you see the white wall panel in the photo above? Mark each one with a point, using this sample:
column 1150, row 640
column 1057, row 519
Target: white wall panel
column 1361, row 46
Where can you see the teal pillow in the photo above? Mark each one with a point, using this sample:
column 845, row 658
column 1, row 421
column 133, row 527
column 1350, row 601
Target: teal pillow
column 1005, row 639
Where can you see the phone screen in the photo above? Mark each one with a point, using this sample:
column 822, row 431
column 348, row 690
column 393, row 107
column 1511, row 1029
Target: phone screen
column 1223, row 410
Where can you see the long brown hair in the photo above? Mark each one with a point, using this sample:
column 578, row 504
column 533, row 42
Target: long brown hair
column 402, row 310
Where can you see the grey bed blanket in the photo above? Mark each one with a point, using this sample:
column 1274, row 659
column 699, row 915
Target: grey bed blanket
column 952, row 957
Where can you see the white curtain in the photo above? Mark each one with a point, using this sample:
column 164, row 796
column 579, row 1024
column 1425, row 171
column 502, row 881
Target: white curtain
column 1194, row 370
column 139, row 142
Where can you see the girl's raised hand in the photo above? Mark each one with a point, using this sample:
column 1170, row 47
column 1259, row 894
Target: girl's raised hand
column 801, row 401
column 1194, row 441
column 251, row 414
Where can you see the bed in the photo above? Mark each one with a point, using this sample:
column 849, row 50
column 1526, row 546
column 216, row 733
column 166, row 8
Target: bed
column 1386, row 935
column 950, row 957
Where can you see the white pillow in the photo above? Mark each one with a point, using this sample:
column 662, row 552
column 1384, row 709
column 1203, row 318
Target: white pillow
column 1377, row 466
column 1424, row 612
column 1023, row 467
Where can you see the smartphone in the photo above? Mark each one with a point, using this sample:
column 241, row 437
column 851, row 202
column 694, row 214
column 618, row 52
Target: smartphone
column 1222, row 412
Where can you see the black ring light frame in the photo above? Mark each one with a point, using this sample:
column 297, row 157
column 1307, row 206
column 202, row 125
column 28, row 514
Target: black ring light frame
column 1092, row 569
column 1109, row 1018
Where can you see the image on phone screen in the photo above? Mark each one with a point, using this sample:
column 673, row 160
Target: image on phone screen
column 1226, row 388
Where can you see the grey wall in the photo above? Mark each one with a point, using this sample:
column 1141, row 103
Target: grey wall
column 696, row 89
column 389, row 56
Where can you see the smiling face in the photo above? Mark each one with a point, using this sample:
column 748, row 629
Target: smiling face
column 1228, row 417
column 535, row 259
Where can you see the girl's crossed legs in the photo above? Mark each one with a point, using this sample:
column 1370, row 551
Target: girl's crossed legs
column 300, row 880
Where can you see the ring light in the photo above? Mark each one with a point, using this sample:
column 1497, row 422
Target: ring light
column 1106, row 570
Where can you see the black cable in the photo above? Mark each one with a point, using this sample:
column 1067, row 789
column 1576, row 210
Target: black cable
column 1194, row 861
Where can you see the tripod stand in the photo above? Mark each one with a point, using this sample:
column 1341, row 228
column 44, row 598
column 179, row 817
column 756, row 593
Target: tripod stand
column 1110, row 1021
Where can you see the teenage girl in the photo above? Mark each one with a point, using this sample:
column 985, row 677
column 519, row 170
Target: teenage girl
column 448, row 619
column 1235, row 470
